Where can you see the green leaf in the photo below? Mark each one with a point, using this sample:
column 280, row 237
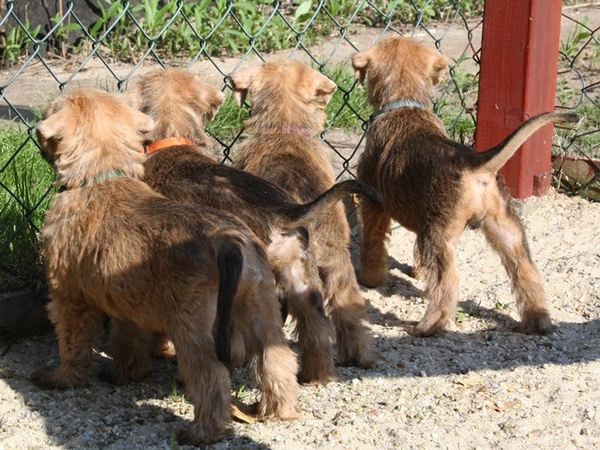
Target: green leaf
column 303, row 11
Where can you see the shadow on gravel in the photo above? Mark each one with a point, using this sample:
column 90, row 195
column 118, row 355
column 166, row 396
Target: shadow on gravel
column 499, row 347
column 99, row 414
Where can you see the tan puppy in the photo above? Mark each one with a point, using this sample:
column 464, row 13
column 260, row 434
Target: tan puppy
column 436, row 187
column 180, row 166
column 288, row 99
column 115, row 247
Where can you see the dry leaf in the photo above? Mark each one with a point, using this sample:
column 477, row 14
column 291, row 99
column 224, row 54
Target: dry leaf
column 471, row 381
column 505, row 407
column 242, row 412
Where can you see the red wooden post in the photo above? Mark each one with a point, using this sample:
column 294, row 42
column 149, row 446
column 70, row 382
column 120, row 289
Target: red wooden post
column 519, row 60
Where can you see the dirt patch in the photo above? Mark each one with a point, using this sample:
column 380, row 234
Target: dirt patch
column 479, row 385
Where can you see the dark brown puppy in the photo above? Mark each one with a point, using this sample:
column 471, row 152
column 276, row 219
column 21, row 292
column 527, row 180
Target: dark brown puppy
column 437, row 187
column 113, row 246
column 183, row 169
column 288, row 99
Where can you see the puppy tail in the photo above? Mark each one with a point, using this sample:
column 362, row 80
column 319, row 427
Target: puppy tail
column 492, row 160
column 230, row 263
column 294, row 215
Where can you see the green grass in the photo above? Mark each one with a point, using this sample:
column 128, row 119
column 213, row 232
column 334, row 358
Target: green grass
column 348, row 108
column 26, row 177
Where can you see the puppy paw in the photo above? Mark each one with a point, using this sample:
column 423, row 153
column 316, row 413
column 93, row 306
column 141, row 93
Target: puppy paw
column 308, row 378
column 200, row 437
column 365, row 360
column 425, row 330
column 46, row 377
column 536, row 323
column 371, row 280
column 51, row 378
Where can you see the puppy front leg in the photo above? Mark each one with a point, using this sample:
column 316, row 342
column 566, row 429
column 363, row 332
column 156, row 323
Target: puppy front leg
column 131, row 348
column 376, row 227
column 78, row 330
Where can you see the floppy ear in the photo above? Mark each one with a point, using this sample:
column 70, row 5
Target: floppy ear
column 325, row 89
column 215, row 99
column 439, row 66
column 144, row 123
column 51, row 126
column 241, row 83
column 360, row 64
column 133, row 96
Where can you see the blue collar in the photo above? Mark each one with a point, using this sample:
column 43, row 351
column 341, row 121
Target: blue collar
column 106, row 176
column 395, row 105
column 97, row 179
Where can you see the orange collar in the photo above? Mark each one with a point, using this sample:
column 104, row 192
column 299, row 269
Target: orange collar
column 168, row 142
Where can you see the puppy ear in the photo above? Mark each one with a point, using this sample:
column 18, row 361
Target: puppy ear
column 360, row 64
column 439, row 66
column 325, row 89
column 52, row 125
column 133, row 96
column 215, row 99
column 144, row 123
column 241, row 83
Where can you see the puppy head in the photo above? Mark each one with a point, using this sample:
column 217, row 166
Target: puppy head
column 399, row 68
column 88, row 132
column 178, row 102
column 284, row 93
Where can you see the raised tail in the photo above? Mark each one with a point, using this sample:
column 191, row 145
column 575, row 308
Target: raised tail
column 230, row 263
column 295, row 215
column 492, row 160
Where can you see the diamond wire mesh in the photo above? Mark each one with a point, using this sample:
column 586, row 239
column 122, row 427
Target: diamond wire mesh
column 215, row 38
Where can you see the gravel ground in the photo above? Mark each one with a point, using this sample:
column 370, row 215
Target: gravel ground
column 479, row 385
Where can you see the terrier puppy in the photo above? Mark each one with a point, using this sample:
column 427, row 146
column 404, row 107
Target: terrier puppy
column 115, row 247
column 180, row 167
column 436, row 187
column 288, row 101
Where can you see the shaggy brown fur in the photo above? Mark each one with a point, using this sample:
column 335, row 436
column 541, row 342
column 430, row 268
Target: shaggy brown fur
column 436, row 187
column 288, row 99
column 179, row 103
column 113, row 246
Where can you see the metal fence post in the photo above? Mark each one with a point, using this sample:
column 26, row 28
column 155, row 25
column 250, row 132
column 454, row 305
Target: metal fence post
column 519, row 59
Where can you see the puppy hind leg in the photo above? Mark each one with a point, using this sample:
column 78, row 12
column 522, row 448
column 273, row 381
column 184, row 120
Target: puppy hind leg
column 207, row 385
column 273, row 363
column 299, row 285
column 348, row 314
column 376, row 226
column 435, row 255
column 314, row 331
column 78, row 331
column 506, row 235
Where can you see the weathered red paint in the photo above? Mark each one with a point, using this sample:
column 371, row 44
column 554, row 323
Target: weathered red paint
column 519, row 60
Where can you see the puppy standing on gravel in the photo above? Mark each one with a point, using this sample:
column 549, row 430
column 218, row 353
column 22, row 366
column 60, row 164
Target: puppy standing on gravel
column 436, row 187
column 288, row 99
column 115, row 247
column 179, row 167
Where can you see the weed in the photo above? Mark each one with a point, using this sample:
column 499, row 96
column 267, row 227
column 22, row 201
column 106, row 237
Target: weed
column 175, row 395
column 17, row 42
column 461, row 314
column 25, row 192
column 240, row 392
column 501, row 306
column 173, row 445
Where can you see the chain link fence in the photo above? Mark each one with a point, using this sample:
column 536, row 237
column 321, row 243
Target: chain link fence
column 107, row 44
